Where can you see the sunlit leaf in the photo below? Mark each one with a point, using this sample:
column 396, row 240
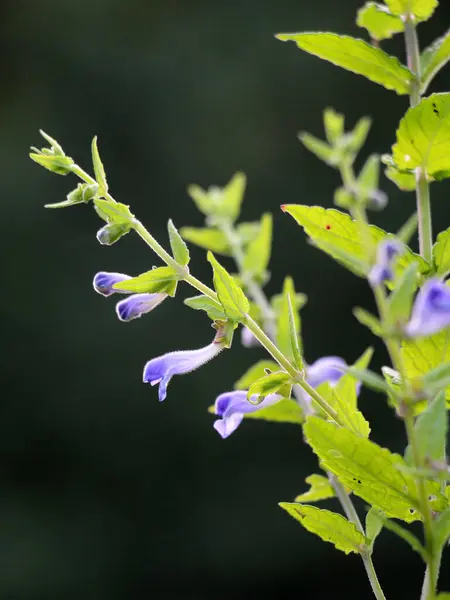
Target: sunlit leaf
column 433, row 59
column 320, row 489
column 379, row 21
column 231, row 296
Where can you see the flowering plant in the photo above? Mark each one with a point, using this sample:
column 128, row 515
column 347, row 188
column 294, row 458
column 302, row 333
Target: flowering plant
column 411, row 293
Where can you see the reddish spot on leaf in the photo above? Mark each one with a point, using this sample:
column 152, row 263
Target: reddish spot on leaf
column 327, row 226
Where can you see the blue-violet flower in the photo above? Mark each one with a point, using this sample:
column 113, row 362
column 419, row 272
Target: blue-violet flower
column 137, row 305
column 387, row 251
column 431, row 310
column 104, row 281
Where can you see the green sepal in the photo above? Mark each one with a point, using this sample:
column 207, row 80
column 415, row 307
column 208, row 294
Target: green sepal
column 54, row 146
column 80, row 195
column 179, row 249
column 433, row 58
column 374, row 525
column 269, row 384
column 357, row 56
column 231, row 296
column 371, row 472
column 257, row 255
column 255, row 372
column 111, row 233
column 418, row 10
column 431, row 430
column 225, row 332
column 329, row 526
column 368, row 320
column 113, row 212
column 212, row 308
column 379, row 21
column 320, row 489
column 61, row 165
column 160, row 280
column 99, row 169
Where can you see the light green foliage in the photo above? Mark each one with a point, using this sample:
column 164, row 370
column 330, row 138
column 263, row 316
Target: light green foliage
column 334, row 125
column 258, row 251
column 433, row 59
column 370, row 379
column 288, row 322
column 335, row 232
column 330, row 527
column 401, row 299
column 423, row 355
column 278, row 382
column 441, row 253
column 374, row 525
column 162, row 279
column 379, row 21
column 285, row 410
column 443, row 596
column 371, row 472
column 423, row 137
column 220, row 203
column 404, row 181
column 368, row 320
column 420, row 9
column 320, row 489
column 212, row 308
column 113, row 212
column 99, row 170
column 404, row 534
column 321, row 149
column 436, row 380
column 231, row 296
column 441, row 529
column 80, row 195
column 52, row 158
column 213, row 239
column 357, row 56
column 255, row 372
column 431, row 431
column 179, row 248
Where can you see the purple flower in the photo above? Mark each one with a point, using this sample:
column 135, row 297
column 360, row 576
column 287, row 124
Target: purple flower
column 431, row 310
column 137, row 305
column 248, row 340
column 104, row 281
column 231, row 408
column 387, row 251
column 163, row 368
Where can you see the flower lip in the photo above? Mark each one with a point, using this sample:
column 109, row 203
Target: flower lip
column 327, row 368
column 387, row 251
column 103, row 282
column 431, row 310
column 137, row 305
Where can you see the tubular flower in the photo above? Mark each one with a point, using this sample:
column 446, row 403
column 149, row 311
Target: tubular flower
column 163, row 368
column 137, row 305
column 387, row 252
column 431, row 310
column 104, row 281
column 248, row 340
column 232, row 406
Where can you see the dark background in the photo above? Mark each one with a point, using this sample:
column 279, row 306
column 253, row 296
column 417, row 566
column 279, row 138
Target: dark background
column 104, row 492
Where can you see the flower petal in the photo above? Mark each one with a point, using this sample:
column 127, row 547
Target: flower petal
column 103, row 282
column 387, row 251
column 431, row 310
column 232, row 406
column 137, row 305
column 327, row 368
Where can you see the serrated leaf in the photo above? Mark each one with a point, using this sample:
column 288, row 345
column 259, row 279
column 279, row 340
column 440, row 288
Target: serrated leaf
column 268, row 384
column 333, row 230
column 255, row 372
column 420, row 9
column 433, row 59
column 379, row 21
column 113, row 212
column 371, row 472
column 288, row 322
column 431, row 431
column 320, row 489
column 441, row 253
column 179, row 248
column 212, row 308
column 357, row 56
column 99, row 169
column 334, row 125
column 329, row 526
column 374, row 525
column 231, row 296
column 422, row 355
column 285, row 410
column 423, row 137
column 151, row 282
column 258, row 251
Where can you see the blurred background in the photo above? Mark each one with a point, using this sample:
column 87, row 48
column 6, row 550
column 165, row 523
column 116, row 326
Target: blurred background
column 104, row 492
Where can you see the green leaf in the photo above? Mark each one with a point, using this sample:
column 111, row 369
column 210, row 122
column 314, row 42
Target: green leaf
column 334, row 125
column 422, row 355
column 431, row 431
column 320, row 148
column 379, row 21
column 179, row 248
column 404, row 180
column 285, row 410
column 81, row 194
column 405, row 535
column 112, row 232
column 233, row 195
column 320, row 489
column 368, row 320
column 401, row 299
column 151, row 282
column 374, row 525
column 423, row 137
column 436, row 380
column 288, row 323
column 443, row 596
column 441, row 253
column 209, row 238
column 113, row 212
column 61, row 165
column 421, row 10
column 408, row 229
column 433, row 59
column 258, row 251
column 334, row 231
column 329, row 526
column 99, row 170
column 231, row 296
column 357, row 56
column 255, row 372
column 268, row 384
column 370, row 379
column 56, row 148
column 371, row 472
column 441, row 529
column 358, row 136
column 212, row 308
